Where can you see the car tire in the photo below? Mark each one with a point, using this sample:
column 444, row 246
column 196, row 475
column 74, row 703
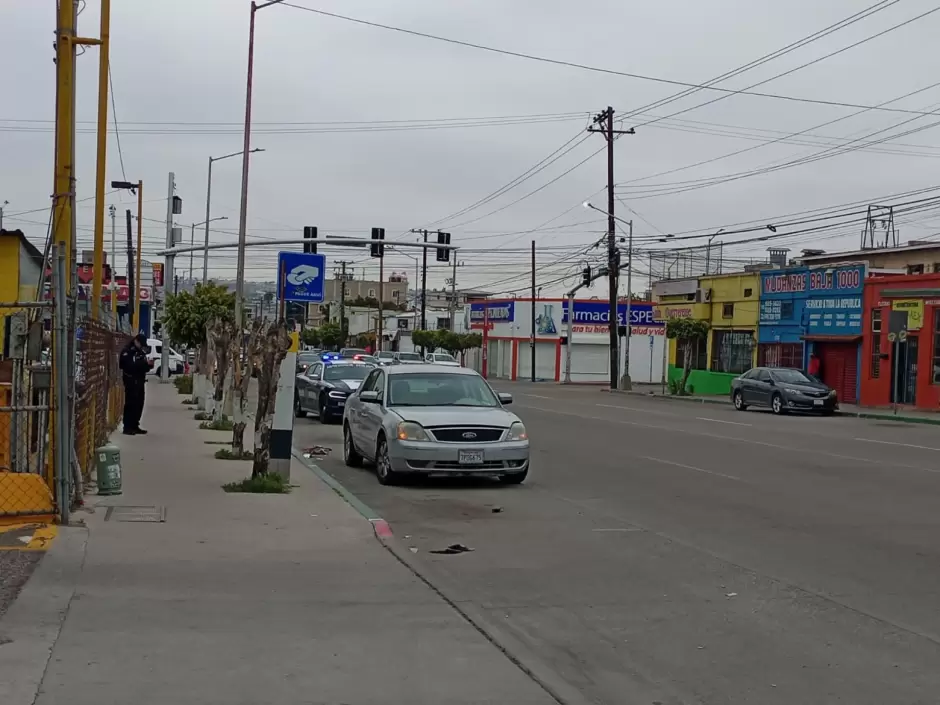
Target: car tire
column 323, row 413
column 738, row 401
column 514, row 478
column 351, row 456
column 299, row 413
column 776, row 404
column 383, row 466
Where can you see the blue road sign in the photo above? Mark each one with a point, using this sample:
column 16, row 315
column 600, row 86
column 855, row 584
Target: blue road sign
column 300, row 277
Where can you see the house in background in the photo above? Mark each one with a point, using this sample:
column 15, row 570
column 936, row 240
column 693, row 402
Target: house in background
column 20, row 267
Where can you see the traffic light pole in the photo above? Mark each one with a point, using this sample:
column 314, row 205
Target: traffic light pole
column 588, row 280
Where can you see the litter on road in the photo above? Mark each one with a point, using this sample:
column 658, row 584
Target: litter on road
column 452, row 549
column 317, row 450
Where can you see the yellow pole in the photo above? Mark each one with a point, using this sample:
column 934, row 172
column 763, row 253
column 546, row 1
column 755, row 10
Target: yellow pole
column 103, row 58
column 63, row 185
column 140, row 241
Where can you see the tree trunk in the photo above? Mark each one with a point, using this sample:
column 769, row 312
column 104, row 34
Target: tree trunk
column 686, row 366
column 272, row 349
column 245, row 365
column 221, row 334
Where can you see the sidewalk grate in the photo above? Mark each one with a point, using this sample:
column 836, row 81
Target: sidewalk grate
column 146, row 514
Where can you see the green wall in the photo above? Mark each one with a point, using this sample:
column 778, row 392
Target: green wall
column 704, row 383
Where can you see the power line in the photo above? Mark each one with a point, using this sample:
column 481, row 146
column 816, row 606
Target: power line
column 117, row 132
column 586, row 67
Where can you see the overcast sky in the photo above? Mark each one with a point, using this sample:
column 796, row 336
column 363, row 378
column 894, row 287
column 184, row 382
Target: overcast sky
column 183, row 62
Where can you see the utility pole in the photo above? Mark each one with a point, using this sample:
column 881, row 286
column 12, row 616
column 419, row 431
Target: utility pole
column 140, row 246
column 168, row 277
column 131, row 277
column 113, row 285
column 424, row 285
column 532, row 342
column 625, row 381
column 1, row 213
column 64, row 181
column 342, row 299
column 378, row 337
column 453, row 296
column 604, row 124
column 103, row 58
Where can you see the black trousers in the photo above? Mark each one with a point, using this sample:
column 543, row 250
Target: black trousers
column 133, row 402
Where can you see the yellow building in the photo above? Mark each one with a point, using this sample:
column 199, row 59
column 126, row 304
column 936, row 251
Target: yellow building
column 20, row 267
column 730, row 304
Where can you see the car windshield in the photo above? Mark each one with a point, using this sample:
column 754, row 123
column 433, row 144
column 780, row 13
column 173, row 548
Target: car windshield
column 409, row 356
column 304, row 359
column 443, row 358
column 430, row 389
column 335, row 372
column 791, row 377
column 384, row 355
column 349, row 352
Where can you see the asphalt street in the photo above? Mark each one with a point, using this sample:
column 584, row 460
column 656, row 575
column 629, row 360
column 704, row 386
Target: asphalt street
column 675, row 552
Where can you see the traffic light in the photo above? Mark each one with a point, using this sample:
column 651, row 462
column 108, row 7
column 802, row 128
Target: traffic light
column 378, row 247
column 443, row 239
column 586, row 276
column 310, row 233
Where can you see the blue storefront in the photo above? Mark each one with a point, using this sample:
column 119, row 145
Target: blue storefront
column 805, row 311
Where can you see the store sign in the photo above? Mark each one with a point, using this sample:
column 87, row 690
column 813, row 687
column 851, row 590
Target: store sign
column 663, row 312
column 492, row 312
column 914, row 309
column 122, row 291
column 597, row 313
column 818, row 301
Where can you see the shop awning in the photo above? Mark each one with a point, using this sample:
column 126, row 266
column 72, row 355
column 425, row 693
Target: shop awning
column 831, row 338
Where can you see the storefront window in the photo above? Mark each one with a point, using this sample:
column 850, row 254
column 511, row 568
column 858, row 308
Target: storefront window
column 699, row 354
column 780, row 355
column 936, row 347
column 875, row 369
column 731, row 351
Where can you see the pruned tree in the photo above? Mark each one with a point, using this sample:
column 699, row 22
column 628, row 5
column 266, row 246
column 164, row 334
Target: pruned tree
column 246, row 368
column 220, row 334
column 687, row 332
column 272, row 345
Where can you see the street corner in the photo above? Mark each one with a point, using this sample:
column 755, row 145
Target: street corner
column 27, row 536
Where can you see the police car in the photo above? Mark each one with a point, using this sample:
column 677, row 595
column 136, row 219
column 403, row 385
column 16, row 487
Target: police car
column 323, row 387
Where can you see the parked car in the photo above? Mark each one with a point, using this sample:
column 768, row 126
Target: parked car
column 408, row 358
column 445, row 359
column 433, row 420
column 323, row 387
column 155, row 354
column 351, row 352
column 782, row 389
column 385, row 357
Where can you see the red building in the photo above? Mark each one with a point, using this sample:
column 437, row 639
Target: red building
column 901, row 342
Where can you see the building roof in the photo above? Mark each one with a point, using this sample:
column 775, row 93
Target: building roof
column 862, row 254
column 30, row 248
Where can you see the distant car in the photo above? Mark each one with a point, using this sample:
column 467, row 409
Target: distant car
column 351, row 352
column 408, row 358
column 433, row 420
column 155, row 354
column 385, row 357
column 441, row 359
column 782, row 389
column 323, row 387
column 305, row 359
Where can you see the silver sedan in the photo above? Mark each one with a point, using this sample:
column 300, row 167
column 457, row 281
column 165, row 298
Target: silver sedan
column 433, row 420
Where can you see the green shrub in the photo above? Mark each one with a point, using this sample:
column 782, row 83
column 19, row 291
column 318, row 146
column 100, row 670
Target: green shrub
column 183, row 384
column 227, row 454
column 223, row 424
column 261, row 484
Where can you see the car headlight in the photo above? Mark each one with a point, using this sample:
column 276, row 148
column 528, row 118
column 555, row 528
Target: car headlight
column 517, row 432
column 338, row 395
column 410, row 431
column 791, row 390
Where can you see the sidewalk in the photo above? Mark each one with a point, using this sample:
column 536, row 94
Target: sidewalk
column 235, row 599
column 905, row 415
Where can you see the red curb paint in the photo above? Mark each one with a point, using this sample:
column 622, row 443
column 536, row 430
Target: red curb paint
column 381, row 528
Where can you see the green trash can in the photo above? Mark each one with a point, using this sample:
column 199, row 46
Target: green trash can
column 108, row 470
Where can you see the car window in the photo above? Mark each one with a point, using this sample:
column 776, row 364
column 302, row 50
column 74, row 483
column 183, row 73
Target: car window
column 762, row 376
column 436, row 389
column 792, row 377
column 409, row 356
column 314, row 370
column 750, row 374
column 440, row 357
column 380, row 386
column 335, row 372
column 369, row 384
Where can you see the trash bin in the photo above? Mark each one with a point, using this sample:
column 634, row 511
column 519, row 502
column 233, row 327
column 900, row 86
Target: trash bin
column 108, row 470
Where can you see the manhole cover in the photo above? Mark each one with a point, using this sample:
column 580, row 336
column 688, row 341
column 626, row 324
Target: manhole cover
column 151, row 514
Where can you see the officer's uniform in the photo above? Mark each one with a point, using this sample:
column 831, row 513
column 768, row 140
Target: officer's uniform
column 134, row 366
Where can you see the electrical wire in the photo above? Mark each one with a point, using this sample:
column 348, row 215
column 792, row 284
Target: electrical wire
column 117, row 132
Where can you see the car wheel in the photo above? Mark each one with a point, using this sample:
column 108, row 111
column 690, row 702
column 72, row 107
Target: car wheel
column 298, row 412
column 324, row 414
column 738, row 400
column 383, row 464
column 776, row 404
column 514, row 478
column 350, row 454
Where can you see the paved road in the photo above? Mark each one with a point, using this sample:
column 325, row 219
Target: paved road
column 680, row 553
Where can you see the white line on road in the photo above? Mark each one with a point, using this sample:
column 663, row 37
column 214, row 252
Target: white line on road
column 604, row 531
column 633, row 408
column 733, row 423
column 893, row 443
column 690, row 467
column 537, row 396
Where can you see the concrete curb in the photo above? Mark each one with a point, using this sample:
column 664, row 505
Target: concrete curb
column 880, row 415
column 508, row 644
column 30, row 628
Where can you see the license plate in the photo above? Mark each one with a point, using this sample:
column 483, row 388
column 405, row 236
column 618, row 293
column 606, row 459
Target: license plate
column 818, row 402
column 341, row 403
column 470, row 457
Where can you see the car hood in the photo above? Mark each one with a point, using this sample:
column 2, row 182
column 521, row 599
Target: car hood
column 456, row 415
column 805, row 386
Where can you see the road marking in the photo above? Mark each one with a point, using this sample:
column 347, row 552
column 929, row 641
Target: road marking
column 537, row 396
column 893, row 443
column 733, row 423
column 604, row 531
column 634, row 408
column 690, row 467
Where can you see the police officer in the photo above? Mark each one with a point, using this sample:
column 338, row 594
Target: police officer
column 134, row 366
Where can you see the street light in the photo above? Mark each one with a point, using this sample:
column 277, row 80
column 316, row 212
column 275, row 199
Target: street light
column 192, row 237
column 133, row 280
column 205, row 254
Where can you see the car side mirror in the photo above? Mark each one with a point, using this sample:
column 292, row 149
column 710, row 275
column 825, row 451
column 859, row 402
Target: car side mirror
column 771, row 382
column 369, row 397
column 504, row 398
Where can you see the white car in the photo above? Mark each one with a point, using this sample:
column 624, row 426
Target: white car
column 441, row 359
column 177, row 363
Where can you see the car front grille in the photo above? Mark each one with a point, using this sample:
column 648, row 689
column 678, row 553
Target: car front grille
column 467, row 434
